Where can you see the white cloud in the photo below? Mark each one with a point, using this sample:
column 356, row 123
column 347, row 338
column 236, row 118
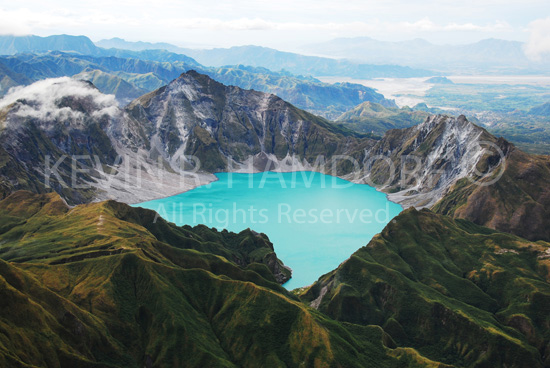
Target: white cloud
column 23, row 20
column 26, row 21
column 41, row 100
column 539, row 39
column 283, row 24
column 245, row 24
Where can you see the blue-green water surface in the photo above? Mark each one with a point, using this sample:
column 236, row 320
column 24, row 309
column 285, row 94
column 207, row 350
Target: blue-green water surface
column 315, row 221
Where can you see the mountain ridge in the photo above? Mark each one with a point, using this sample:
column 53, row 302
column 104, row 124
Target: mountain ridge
column 306, row 92
column 251, row 55
column 130, row 299
column 440, row 284
column 443, row 163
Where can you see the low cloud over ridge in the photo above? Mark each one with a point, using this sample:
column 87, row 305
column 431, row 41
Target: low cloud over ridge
column 41, row 100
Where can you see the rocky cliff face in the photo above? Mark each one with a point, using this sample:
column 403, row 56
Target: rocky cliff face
column 459, row 169
column 194, row 115
column 418, row 165
column 64, row 135
column 193, row 124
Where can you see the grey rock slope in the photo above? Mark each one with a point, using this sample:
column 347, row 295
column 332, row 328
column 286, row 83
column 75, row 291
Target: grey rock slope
column 218, row 124
column 418, row 165
column 144, row 152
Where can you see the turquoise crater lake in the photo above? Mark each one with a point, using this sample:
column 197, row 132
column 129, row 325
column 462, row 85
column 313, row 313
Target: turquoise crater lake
column 315, row 221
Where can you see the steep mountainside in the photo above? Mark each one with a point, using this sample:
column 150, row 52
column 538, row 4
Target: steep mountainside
column 517, row 202
column 92, row 286
column 195, row 115
column 9, row 78
column 417, row 165
column 64, row 135
column 460, row 294
column 107, row 228
column 459, row 169
column 221, row 126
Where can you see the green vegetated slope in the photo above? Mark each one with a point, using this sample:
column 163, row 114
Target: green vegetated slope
column 101, row 285
column 111, row 84
column 9, row 78
column 460, row 294
column 371, row 117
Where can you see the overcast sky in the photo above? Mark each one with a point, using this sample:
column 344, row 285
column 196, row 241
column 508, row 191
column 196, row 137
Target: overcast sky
column 283, row 24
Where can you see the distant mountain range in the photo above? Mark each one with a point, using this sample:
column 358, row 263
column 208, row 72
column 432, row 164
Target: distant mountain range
column 364, row 56
column 10, row 45
column 128, row 73
column 82, row 45
column 278, row 60
column 119, row 43
column 486, row 56
column 128, row 78
column 360, row 57
column 245, row 55
column 301, row 64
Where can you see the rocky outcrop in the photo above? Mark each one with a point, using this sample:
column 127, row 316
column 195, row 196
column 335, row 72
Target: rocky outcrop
column 417, row 166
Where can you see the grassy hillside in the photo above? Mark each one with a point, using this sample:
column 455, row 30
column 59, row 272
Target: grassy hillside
column 110, row 84
column 371, row 117
column 93, row 286
column 458, row 293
